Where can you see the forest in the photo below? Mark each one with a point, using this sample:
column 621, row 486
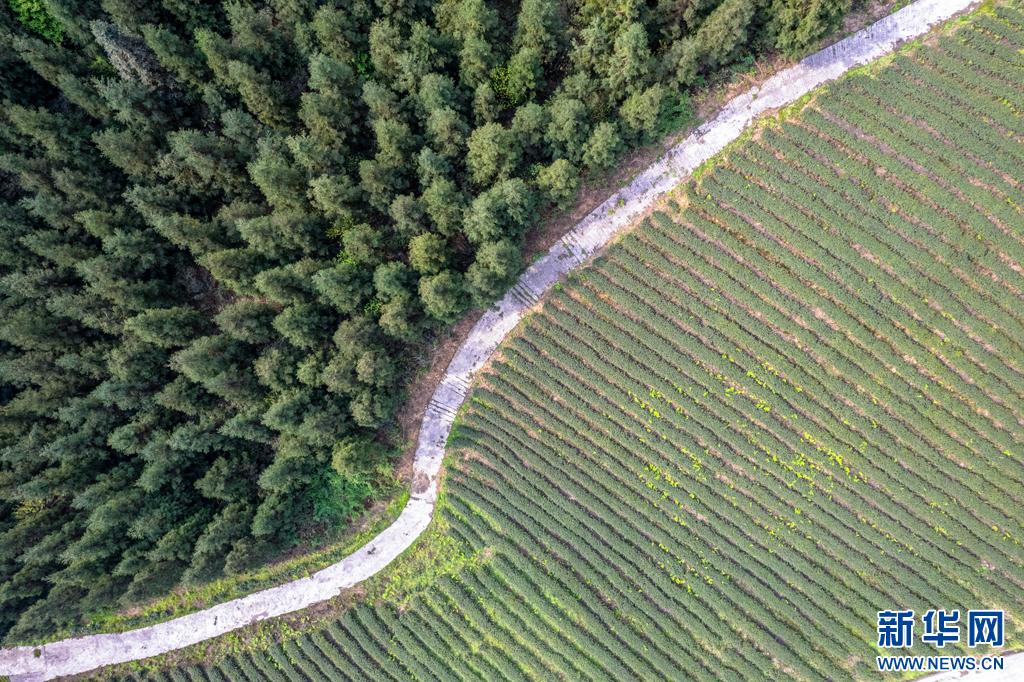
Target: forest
column 223, row 225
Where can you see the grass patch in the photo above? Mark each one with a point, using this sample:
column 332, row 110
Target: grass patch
column 435, row 554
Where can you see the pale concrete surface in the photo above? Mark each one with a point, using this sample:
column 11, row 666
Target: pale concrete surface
column 86, row 653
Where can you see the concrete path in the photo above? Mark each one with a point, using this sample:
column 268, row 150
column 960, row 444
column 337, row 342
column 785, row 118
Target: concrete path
column 86, row 653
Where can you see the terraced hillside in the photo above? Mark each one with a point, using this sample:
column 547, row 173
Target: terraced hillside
column 718, row 452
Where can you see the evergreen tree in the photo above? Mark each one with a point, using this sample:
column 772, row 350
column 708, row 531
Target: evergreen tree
column 340, row 28
column 428, row 253
column 641, row 113
column 485, row 219
column 221, row 364
column 559, row 183
column 800, row 26
column 385, row 47
column 631, row 64
column 262, row 94
column 493, row 154
column 362, row 243
column 166, row 327
column 285, row 233
column 591, row 54
column 504, row 211
column 493, row 271
column 429, row 47
column 444, row 296
column 679, row 63
column 541, row 27
column 249, row 321
column 178, row 56
column 603, row 148
column 355, row 455
column 393, row 280
column 444, row 204
column 569, row 129
column 382, row 102
column 447, row 132
column 305, row 325
column 345, row 286
column 274, row 172
column 529, row 125
column 432, row 166
column 724, row 31
column 525, row 74
column 236, row 268
column 438, row 91
column 292, row 283
column 332, row 107
column 485, row 104
column 400, row 317
column 409, row 216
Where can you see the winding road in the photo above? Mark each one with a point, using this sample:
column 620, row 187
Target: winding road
column 70, row 656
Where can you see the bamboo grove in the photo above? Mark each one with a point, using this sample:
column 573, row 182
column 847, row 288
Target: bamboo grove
column 757, row 421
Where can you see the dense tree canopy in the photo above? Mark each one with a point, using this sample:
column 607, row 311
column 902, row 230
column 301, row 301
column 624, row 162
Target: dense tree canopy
column 223, row 222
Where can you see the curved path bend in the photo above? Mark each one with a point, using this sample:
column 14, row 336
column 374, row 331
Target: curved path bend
column 70, row 656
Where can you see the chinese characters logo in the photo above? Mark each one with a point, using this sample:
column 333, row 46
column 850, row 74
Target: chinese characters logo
column 896, row 628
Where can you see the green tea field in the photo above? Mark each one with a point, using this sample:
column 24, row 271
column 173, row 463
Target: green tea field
column 789, row 401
